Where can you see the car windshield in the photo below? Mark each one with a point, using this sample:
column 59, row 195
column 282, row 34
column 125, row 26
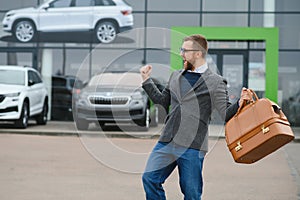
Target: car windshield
column 120, row 80
column 12, row 77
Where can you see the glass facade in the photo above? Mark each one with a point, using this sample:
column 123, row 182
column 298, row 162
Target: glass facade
column 80, row 55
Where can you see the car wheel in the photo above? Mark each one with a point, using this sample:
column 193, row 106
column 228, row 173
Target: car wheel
column 82, row 124
column 145, row 121
column 154, row 117
column 42, row 118
column 106, row 32
column 22, row 122
column 24, row 31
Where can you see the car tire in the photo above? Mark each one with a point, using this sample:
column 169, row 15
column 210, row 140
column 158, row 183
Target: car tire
column 42, row 118
column 22, row 122
column 154, row 117
column 144, row 123
column 106, row 32
column 24, row 31
column 82, row 124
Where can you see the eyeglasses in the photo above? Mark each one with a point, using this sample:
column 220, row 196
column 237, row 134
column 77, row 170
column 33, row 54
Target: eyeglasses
column 183, row 50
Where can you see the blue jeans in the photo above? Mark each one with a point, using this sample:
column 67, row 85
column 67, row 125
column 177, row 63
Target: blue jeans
column 161, row 163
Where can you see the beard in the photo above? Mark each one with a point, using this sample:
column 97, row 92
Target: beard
column 188, row 66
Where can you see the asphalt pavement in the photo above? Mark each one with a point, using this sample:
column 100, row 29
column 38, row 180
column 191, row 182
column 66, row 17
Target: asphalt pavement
column 96, row 164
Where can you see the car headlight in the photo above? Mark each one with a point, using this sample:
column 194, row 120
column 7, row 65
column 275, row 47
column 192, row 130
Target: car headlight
column 16, row 94
column 83, row 99
column 137, row 95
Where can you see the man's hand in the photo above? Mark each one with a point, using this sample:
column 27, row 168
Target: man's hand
column 146, row 71
column 246, row 95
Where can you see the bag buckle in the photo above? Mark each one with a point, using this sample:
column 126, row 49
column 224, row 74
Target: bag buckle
column 265, row 130
column 238, row 147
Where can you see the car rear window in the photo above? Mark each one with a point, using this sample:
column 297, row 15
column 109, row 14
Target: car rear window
column 125, row 2
column 59, row 82
column 12, row 77
column 104, row 3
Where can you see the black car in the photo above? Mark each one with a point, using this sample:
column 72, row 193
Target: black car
column 115, row 97
column 64, row 88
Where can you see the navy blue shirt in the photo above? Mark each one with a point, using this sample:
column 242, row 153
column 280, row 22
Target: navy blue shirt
column 187, row 81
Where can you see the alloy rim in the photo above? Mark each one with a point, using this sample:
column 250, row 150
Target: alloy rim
column 106, row 33
column 24, row 31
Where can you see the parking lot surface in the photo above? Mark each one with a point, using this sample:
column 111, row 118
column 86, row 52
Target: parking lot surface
column 85, row 166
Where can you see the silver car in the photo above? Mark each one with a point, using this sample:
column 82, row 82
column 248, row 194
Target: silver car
column 115, row 97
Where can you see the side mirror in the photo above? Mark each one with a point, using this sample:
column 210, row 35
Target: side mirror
column 45, row 6
column 30, row 82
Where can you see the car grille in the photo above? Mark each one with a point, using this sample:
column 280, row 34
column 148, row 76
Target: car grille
column 2, row 97
column 109, row 100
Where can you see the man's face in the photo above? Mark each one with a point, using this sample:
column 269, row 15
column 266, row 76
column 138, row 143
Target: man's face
column 188, row 55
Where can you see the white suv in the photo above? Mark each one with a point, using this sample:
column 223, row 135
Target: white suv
column 105, row 18
column 22, row 95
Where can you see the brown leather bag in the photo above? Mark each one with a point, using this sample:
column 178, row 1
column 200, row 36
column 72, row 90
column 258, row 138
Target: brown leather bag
column 257, row 129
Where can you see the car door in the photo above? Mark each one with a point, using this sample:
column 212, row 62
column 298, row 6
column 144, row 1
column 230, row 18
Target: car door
column 81, row 15
column 55, row 17
column 35, row 92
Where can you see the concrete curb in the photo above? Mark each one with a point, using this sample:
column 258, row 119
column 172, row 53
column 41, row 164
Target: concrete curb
column 57, row 128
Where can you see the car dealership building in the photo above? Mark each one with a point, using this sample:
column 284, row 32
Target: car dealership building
column 253, row 43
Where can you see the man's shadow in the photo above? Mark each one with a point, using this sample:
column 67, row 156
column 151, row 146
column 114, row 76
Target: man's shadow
column 72, row 37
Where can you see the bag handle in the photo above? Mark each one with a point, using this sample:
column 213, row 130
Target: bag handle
column 255, row 98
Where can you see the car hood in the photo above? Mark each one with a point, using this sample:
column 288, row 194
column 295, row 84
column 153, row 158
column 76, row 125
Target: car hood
column 7, row 89
column 22, row 10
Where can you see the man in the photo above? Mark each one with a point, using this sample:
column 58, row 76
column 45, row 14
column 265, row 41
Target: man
column 191, row 94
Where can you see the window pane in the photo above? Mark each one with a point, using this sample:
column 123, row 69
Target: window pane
column 288, row 24
column 160, row 60
column 289, row 30
column 158, row 38
column 2, row 33
column 278, row 5
column 288, row 5
column 58, row 82
column 257, row 45
column 16, row 58
column 257, row 5
column 101, row 59
column 169, row 20
column 137, row 5
column 262, row 20
column 289, row 85
column 108, row 3
column 228, row 5
column 80, row 3
column 174, row 5
column 3, row 60
column 225, row 20
column 227, row 45
column 16, row 4
column 61, row 4
column 139, row 20
column 257, row 70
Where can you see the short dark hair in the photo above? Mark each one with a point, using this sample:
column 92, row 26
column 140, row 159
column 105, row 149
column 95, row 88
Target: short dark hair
column 199, row 41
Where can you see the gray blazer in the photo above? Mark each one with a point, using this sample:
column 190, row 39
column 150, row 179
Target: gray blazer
column 189, row 116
